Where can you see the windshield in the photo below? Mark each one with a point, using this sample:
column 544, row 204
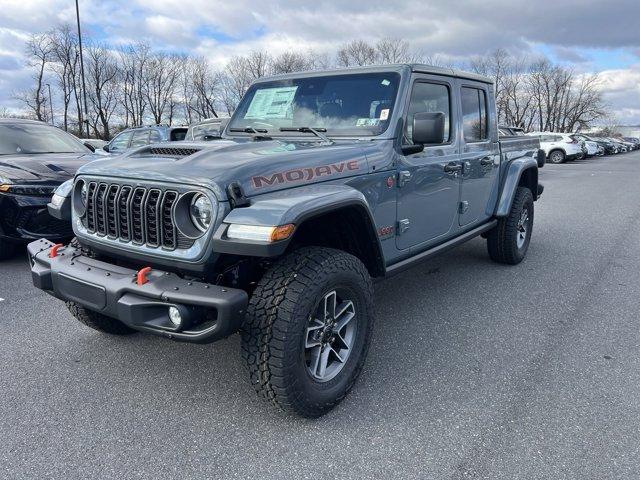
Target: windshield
column 205, row 129
column 346, row 104
column 21, row 138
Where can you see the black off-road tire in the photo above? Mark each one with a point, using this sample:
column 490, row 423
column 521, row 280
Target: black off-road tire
column 502, row 241
column 274, row 332
column 557, row 156
column 98, row 321
column 7, row 250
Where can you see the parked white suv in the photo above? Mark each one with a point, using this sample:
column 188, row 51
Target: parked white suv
column 559, row 147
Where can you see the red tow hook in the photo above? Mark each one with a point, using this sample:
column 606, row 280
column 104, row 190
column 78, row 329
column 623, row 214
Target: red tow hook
column 54, row 250
column 141, row 277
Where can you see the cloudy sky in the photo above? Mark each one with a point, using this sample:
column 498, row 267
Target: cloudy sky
column 589, row 35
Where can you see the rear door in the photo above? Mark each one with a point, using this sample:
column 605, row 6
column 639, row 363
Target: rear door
column 480, row 154
column 429, row 181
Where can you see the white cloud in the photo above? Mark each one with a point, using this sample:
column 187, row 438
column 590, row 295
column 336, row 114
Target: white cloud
column 456, row 29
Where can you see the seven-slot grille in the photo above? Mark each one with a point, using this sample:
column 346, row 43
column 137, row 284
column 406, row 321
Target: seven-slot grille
column 133, row 214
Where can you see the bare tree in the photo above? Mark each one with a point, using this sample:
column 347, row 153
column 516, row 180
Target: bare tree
column 102, row 88
column 133, row 62
column 355, row 53
column 65, row 67
column 162, row 81
column 39, row 51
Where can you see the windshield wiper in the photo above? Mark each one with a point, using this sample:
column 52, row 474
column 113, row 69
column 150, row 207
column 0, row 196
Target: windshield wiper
column 315, row 131
column 256, row 132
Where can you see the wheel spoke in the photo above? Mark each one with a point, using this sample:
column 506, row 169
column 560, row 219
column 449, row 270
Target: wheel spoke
column 330, row 305
column 346, row 314
column 314, row 360
column 323, row 362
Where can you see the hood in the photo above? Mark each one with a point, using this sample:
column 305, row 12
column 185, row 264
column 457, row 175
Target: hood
column 50, row 168
column 258, row 166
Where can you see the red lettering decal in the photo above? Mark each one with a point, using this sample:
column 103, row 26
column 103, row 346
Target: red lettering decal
column 261, row 181
column 338, row 167
column 323, row 170
column 353, row 165
column 310, row 173
column 294, row 175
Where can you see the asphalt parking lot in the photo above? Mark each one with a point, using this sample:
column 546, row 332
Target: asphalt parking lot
column 476, row 370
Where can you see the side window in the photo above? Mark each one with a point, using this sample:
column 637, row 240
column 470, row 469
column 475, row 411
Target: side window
column 429, row 97
column 154, row 136
column 140, row 138
column 121, row 142
column 474, row 114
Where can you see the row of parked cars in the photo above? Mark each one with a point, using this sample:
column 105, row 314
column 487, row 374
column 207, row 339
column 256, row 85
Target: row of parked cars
column 563, row 147
column 37, row 158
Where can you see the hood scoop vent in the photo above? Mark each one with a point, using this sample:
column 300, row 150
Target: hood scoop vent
column 170, row 151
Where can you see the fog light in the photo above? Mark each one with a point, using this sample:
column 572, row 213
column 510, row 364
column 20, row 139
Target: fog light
column 175, row 316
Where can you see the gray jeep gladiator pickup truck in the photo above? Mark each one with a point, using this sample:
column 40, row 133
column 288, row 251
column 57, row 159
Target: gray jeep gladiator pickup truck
column 322, row 182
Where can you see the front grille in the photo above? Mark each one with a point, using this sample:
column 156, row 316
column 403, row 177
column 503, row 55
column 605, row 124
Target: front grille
column 139, row 215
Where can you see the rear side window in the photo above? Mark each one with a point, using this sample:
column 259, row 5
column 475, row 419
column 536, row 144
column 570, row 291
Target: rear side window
column 474, row 114
column 429, row 97
column 121, row 142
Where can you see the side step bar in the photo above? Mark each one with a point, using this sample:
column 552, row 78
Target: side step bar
column 438, row 249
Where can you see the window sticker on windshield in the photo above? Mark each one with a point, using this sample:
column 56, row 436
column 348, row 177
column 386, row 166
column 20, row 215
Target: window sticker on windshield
column 384, row 114
column 386, row 82
column 367, row 122
column 271, row 102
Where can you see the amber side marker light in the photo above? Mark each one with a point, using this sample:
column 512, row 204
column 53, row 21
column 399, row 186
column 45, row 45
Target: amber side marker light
column 259, row 233
column 5, row 188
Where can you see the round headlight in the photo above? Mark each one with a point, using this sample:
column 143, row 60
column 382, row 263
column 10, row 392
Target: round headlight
column 201, row 212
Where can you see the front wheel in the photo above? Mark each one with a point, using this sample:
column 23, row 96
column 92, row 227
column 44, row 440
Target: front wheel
column 509, row 241
column 308, row 329
column 557, row 156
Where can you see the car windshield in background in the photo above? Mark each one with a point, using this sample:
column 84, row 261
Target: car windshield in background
column 347, row 104
column 23, row 138
column 205, row 130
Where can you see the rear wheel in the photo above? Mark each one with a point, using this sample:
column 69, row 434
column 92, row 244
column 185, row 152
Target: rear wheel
column 509, row 241
column 308, row 329
column 98, row 321
column 557, row 156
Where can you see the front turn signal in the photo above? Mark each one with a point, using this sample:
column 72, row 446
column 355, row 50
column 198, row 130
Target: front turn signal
column 259, row 233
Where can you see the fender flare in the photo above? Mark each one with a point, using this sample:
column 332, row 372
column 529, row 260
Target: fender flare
column 294, row 206
column 514, row 173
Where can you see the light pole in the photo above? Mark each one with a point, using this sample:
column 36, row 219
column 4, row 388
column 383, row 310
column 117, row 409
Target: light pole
column 84, row 86
column 50, row 103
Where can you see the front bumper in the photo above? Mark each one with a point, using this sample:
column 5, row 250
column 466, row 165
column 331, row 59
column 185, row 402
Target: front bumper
column 209, row 312
column 24, row 218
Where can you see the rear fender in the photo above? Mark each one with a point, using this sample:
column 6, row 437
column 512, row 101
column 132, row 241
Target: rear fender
column 525, row 169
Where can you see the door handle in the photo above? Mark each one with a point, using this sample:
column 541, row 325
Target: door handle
column 452, row 167
column 486, row 161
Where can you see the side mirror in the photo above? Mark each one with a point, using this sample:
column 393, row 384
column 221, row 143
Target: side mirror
column 428, row 128
column 106, row 147
column 89, row 146
column 210, row 137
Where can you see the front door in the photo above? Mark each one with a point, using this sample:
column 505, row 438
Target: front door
column 480, row 156
column 429, row 181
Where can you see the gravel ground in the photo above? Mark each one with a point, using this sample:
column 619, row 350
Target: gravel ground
column 476, row 370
